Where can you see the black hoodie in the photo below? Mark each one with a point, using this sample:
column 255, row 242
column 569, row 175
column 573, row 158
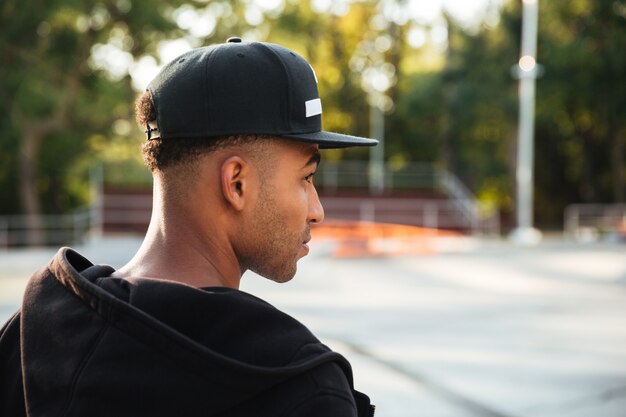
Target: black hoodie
column 86, row 344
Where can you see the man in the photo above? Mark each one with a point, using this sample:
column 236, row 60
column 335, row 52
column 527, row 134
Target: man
column 234, row 132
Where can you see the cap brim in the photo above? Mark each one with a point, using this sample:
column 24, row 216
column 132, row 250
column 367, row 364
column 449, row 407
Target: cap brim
column 331, row 140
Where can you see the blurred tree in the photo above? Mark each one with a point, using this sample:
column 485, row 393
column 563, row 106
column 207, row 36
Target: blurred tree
column 52, row 95
column 580, row 108
column 462, row 112
column 581, row 122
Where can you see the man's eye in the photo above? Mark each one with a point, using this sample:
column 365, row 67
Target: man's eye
column 309, row 178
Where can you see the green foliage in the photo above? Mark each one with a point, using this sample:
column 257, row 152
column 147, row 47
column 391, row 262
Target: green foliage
column 417, row 122
column 52, row 100
column 581, row 106
column 580, row 138
column 9, row 148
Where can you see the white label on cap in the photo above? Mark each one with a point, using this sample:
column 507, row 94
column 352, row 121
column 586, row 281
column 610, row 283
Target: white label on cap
column 313, row 107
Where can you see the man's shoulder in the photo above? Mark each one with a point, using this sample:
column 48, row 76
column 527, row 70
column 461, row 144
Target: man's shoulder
column 11, row 394
column 321, row 391
column 235, row 324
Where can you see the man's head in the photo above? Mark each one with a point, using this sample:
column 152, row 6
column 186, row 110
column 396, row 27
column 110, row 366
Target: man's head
column 234, row 132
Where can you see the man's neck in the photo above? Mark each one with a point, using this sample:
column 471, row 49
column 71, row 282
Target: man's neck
column 172, row 250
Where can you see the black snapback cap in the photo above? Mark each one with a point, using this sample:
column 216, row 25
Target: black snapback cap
column 241, row 88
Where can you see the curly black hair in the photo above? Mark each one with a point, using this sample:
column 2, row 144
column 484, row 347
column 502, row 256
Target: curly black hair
column 159, row 154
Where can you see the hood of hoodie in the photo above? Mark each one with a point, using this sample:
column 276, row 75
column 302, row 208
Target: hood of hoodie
column 157, row 347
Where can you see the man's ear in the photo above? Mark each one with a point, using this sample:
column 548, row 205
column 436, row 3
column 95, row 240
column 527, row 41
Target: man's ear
column 235, row 181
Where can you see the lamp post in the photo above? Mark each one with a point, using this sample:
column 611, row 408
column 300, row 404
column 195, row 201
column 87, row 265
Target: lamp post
column 527, row 70
column 377, row 76
column 377, row 153
column 376, row 80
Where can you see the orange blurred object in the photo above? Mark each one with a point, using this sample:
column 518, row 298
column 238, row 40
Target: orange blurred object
column 366, row 239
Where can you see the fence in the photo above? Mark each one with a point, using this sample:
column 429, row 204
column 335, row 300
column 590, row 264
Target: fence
column 453, row 208
column 429, row 213
column 592, row 221
column 459, row 210
column 333, row 175
column 52, row 230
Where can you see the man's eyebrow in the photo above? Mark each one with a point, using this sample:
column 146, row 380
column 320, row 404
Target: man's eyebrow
column 314, row 159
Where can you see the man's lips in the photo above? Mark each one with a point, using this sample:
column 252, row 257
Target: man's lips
column 305, row 245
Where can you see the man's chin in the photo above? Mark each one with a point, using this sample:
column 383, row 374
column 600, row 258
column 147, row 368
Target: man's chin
column 282, row 280
column 279, row 276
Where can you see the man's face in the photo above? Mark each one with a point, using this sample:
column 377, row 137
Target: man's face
column 287, row 204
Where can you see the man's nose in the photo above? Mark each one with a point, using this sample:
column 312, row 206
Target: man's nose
column 316, row 211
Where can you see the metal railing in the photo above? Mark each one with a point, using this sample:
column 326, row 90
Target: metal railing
column 591, row 221
column 426, row 213
column 53, row 230
column 333, row 176
column 462, row 198
column 434, row 214
column 458, row 210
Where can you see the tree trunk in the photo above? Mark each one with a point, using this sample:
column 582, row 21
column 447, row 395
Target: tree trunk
column 617, row 167
column 34, row 131
column 31, row 141
column 588, row 189
column 512, row 139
